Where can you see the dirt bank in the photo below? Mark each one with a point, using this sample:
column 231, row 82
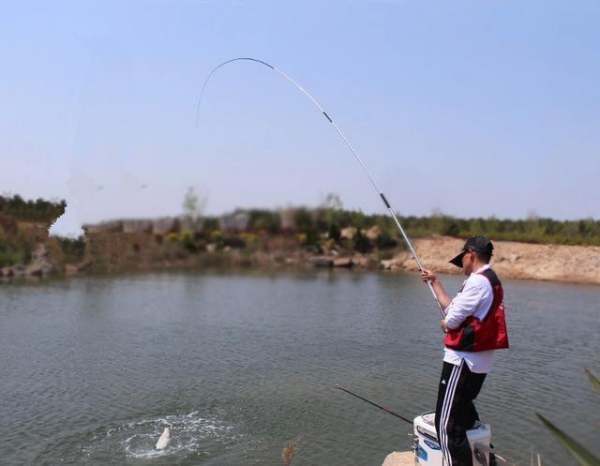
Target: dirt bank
column 577, row 264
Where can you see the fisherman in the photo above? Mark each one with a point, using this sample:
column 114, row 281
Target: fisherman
column 474, row 328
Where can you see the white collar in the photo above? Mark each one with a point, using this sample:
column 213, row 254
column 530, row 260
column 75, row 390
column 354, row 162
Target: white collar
column 482, row 268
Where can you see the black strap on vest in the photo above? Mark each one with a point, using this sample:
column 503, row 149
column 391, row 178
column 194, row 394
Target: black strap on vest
column 492, row 277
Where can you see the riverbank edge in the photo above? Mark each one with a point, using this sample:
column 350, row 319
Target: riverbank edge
column 512, row 260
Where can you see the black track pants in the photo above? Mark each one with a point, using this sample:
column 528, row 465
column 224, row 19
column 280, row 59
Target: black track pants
column 455, row 412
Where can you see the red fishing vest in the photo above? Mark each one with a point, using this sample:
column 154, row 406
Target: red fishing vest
column 481, row 335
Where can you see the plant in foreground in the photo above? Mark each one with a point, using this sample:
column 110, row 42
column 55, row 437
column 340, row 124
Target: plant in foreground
column 579, row 452
column 288, row 452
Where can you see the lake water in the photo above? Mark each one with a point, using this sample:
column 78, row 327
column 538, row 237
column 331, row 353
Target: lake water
column 92, row 369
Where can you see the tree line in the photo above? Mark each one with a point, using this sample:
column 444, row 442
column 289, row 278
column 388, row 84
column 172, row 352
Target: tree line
column 530, row 230
column 39, row 210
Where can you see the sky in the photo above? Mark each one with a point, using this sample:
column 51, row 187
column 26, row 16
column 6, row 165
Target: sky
column 470, row 108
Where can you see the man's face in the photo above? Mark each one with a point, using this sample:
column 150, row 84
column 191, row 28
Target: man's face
column 468, row 262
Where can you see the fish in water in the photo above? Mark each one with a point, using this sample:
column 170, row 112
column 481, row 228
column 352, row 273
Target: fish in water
column 164, row 439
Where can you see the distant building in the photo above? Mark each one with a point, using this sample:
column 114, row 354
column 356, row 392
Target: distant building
column 158, row 226
column 288, row 218
column 166, row 225
column 236, row 221
column 137, row 226
column 111, row 226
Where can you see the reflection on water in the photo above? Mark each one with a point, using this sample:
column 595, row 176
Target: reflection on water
column 93, row 369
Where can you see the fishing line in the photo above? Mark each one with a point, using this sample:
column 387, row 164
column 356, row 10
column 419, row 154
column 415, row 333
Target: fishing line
column 326, row 115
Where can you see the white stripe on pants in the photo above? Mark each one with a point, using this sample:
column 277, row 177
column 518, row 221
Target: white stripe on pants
column 446, row 408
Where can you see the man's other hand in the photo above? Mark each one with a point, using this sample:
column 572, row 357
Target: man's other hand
column 444, row 326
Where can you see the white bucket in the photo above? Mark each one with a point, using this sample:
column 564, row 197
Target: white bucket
column 427, row 447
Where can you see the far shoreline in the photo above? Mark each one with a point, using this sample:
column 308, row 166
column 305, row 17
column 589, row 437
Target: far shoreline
column 293, row 238
column 403, row 265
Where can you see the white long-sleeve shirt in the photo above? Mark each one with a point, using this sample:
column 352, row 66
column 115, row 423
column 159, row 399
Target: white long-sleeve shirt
column 475, row 298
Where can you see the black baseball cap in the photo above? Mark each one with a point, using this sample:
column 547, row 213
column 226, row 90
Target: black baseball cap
column 479, row 244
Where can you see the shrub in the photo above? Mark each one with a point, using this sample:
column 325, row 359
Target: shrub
column 73, row 249
column 250, row 239
column 385, row 241
column 216, row 237
column 334, row 232
column 38, row 210
column 188, row 242
column 173, row 237
column 14, row 251
column 303, row 220
column 264, row 220
column 210, row 224
column 361, row 243
column 234, row 242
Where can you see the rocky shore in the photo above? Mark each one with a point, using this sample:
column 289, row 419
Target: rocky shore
column 571, row 264
column 40, row 265
column 575, row 264
column 547, row 262
column 559, row 263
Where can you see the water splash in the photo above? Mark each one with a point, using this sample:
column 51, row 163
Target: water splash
column 192, row 435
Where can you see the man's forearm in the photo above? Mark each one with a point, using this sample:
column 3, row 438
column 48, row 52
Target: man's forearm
column 441, row 294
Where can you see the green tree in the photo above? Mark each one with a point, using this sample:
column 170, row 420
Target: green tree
column 193, row 205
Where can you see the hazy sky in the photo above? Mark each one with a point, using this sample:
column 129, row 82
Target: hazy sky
column 475, row 108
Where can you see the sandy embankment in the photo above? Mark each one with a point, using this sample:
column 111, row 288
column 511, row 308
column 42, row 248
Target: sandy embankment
column 577, row 264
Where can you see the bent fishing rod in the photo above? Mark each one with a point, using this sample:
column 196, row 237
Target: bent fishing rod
column 346, row 141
